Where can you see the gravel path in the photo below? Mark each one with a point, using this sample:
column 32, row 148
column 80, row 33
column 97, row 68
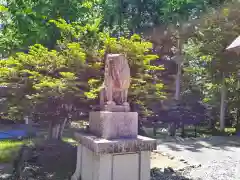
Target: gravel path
column 227, row 169
column 216, row 158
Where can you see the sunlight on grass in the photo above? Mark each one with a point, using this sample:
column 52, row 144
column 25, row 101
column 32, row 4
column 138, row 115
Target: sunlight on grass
column 70, row 140
column 9, row 149
column 230, row 130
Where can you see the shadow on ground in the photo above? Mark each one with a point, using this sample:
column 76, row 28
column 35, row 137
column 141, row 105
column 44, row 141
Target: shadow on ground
column 197, row 144
column 46, row 160
column 158, row 174
column 5, row 171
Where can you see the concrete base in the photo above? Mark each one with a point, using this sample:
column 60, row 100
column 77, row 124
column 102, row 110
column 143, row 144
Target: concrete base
column 112, row 125
column 101, row 159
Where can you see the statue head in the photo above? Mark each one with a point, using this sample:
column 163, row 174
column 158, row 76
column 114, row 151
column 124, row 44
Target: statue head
column 116, row 60
column 115, row 64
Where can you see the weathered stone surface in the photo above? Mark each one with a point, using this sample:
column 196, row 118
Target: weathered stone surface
column 104, row 146
column 114, row 90
column 117, row 108
column 119, row 166
column 112, row 125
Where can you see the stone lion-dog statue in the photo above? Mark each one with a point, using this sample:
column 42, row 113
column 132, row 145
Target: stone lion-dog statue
column 114, row 90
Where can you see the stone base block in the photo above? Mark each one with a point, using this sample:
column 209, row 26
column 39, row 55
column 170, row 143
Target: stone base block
column 112, row 125
column 101, row 159
column 116, row 108
column 104, row 146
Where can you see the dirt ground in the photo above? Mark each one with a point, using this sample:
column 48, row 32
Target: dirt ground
column 161, row 161
column 157, row 160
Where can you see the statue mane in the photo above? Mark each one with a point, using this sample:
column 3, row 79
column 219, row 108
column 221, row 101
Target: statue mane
column 116, row 81
column 116, row 69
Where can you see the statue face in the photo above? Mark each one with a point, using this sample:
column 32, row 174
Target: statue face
column 116, row 65
column 114, row 70
column 116, row 62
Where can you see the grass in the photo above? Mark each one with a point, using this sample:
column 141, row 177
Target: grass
column 227, row 132
column 9, row 149
column 70, row 141
column 230, row 130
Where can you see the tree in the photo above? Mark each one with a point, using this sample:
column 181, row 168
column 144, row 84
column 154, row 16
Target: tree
column 27, row 22
column 56, row 85
column 214, row 69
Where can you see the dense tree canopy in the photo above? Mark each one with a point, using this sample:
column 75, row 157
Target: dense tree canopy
column 55, row 50
column 209, row 66
column 27, row 22
column 60, row 84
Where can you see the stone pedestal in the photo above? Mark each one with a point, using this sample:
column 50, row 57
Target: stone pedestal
column 112, row 125
column 116, row 108
column 112, row 150
column 119, row 159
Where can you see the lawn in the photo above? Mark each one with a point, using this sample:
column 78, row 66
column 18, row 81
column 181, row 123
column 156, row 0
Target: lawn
column 9, row 149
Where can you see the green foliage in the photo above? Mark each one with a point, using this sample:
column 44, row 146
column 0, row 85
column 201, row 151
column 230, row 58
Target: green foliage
column 9, row 150
column 207, row 60
column 27, row 22
column 68, row 40
column 41, row 76
column 55, row 84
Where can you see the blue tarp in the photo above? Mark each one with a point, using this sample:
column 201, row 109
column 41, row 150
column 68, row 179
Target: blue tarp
column 13, row 134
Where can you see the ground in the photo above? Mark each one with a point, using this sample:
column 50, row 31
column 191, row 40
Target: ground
column 213, row 158
column 160, row 160
column 9, row 149
column 42, row 159
column 217, row 157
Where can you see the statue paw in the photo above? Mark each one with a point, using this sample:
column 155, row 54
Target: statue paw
column 126, row 106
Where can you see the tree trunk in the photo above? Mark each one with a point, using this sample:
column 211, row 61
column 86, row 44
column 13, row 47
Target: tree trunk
column 178, row 83
column 213, row 124
column 222, row 108
column 50, row 130
column 172, row 129
column 141, row 129
column 56, row 130
column 237, row 121
column 210, row 122
column 182, row 130
column 62, row 127
column 172, row 126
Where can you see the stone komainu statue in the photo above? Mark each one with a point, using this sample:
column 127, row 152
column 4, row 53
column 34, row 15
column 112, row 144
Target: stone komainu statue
column 114, row 91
